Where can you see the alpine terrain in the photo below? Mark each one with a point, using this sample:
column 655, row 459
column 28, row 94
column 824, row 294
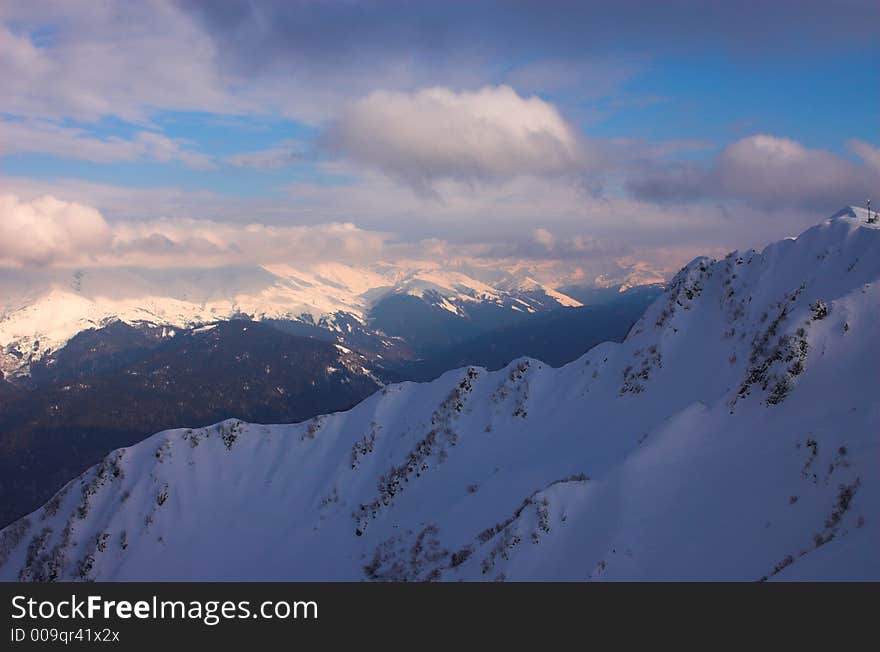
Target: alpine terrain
column 367, row 307
column 734, row 434
column 96, row 359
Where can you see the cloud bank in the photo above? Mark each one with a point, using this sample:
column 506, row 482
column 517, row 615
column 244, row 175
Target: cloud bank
column 49, row 232
column 45, row 232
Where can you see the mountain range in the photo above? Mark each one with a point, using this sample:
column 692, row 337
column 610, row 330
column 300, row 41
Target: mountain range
column 733, row 434
column 69, row 399
column 42, row 310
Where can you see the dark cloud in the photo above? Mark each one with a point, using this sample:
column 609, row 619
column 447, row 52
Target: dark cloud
column 267, row 33
column 324, row 54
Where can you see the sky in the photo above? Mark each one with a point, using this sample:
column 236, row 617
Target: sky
column 591, row 140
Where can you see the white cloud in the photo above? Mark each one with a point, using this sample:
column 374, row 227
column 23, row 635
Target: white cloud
column 48, row 231
column 436, row 134
column 107, row 58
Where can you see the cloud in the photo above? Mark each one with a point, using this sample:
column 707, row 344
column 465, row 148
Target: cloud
column 307, row 59
column 544, row 238
column 436, row 133
column 867, row 152
column 28, row 136
column 547, row 226
column 566, row 247
column 346, row 33
column 764, row 171
column 190, row 242
column 107, row 59
column 48, row 231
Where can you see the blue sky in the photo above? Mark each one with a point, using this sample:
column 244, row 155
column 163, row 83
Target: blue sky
column 428, row 121
column 822, row 103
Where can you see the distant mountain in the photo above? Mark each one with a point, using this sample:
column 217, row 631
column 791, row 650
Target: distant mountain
column 433, row 321
column 41, row 311
column 593, row 295
column 554, row 337
column 732, row 435
column 98, row 351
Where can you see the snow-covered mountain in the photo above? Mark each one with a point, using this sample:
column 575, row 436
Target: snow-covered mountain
column 734, row 434
column 118, row 385
column 40, row 312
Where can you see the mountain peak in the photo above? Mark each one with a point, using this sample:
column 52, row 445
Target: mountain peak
column 858, row 213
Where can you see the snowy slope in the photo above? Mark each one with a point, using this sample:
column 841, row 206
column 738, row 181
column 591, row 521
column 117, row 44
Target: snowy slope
column 40, row 312
column 735, row 434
